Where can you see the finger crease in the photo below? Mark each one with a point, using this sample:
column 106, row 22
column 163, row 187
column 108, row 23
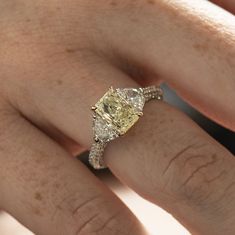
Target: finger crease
column 86, row 223
column 179, row 154
column 216, row 177
column 85, row 203
column 214, row 160
column 193, row 157
column 107, row 222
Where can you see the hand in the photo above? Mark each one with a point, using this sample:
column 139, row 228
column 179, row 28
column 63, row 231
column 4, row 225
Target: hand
column 57, row 59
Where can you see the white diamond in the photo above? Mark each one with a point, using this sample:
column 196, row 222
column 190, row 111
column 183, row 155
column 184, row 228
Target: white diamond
column 95, row 159
column 103, row 130
column 134, row 97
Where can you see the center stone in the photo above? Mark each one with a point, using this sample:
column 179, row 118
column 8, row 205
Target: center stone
column 117, row 111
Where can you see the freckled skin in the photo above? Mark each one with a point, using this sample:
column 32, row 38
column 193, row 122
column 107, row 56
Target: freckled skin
column 113, row 3
column 57, row 185
column 36, row 211
column 38, row 196
column 202, row 48
column 151, row 2
column 70, row 50
column 59, row 82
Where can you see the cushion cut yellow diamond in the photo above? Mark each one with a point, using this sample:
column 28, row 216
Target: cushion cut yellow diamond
column 115, row 110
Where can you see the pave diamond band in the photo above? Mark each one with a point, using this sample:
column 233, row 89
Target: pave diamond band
column 114, row 114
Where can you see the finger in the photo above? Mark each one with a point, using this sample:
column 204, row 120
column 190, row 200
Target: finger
column 226, row 4
column 170, row 161
column 188, row 43
column 51, row 193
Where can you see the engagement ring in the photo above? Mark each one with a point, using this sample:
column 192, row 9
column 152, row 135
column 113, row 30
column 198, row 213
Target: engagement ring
column 114, row 114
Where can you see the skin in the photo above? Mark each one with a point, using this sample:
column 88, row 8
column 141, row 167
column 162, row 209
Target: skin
column 57, row 59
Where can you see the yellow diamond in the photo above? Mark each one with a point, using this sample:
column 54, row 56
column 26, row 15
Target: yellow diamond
column 115, row 110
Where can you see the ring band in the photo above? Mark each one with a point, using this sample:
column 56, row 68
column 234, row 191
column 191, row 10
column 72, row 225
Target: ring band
column 114, row 114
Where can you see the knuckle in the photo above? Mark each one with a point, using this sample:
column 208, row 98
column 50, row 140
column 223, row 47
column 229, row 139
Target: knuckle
column 192, row 173
column 193, row 185
column 99, row 224
column 92, row 215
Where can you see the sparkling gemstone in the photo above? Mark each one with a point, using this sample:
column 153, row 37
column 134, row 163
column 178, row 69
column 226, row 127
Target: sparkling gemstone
column 103, row 130
column 117, row 111
column 134, row 97
column 97, row 150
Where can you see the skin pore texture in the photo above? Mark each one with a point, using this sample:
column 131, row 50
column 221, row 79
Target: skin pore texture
column 58, row 58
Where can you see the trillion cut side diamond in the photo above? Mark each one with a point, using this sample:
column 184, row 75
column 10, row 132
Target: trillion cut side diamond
column 134, row 97
column 103, row 130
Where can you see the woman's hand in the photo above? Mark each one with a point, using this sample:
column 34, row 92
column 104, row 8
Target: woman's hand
column 57, row 58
